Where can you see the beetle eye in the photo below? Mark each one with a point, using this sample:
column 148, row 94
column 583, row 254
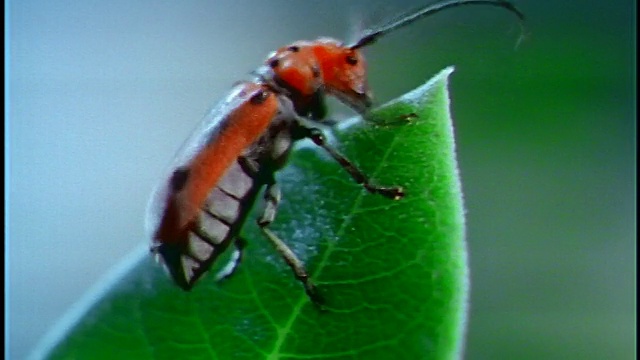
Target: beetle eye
column 351, row 60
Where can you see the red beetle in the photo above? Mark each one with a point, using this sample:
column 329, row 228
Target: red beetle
column 198, row 212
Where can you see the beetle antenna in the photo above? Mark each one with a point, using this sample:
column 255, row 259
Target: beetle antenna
column 372, row 35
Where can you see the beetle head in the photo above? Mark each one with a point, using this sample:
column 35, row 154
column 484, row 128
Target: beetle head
column 308, row 69
column 344, row 73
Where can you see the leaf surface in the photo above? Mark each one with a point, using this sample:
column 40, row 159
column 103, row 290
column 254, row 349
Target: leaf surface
column 393, row 273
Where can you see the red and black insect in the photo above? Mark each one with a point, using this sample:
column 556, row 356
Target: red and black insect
column 198, row 212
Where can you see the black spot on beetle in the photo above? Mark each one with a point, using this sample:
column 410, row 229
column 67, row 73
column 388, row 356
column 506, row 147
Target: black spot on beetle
column 316, row 71
column 260, row 97
column 274, row 63
column 351, row 60
column 293, row 48
column 179, row 179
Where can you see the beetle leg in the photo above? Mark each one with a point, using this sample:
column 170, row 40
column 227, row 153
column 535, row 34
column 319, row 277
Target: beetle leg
column 318, row 138
column 401, row 120
column 272, row 197
column 234, row 261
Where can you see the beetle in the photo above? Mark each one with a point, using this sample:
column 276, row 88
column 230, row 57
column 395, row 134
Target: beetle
column 199, row 210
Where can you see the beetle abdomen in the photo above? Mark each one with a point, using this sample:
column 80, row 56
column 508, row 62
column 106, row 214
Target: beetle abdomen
column 195, row 248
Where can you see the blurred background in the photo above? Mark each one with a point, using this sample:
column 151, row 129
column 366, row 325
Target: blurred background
column 101, row 95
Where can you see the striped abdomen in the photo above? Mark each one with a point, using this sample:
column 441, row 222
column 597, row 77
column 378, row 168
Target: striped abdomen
column 214, row 230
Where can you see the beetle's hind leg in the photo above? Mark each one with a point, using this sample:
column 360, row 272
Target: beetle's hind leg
column 272, row 197
column 236, row 258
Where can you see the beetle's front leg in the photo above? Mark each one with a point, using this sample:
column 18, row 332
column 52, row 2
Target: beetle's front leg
column 319, row 139
column 272, row 197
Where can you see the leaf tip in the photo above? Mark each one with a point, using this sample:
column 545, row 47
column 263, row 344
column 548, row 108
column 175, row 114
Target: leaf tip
column 419, row 94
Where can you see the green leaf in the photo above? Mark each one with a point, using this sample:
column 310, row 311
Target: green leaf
column 393, row 273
